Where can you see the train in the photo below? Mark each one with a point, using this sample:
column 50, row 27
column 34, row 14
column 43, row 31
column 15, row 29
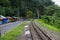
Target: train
column 8, row 19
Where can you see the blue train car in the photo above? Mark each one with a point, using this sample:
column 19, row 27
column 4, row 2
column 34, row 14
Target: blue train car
column 4, row 20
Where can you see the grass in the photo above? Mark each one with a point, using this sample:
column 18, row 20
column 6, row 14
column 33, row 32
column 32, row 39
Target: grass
column 48, row 26
column 13, row 34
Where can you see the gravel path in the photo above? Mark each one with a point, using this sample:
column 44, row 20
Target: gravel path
column 7, row 27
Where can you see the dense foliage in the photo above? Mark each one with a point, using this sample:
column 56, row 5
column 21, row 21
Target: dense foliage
column 44, row 9
column 52, row 16
column 12, row 7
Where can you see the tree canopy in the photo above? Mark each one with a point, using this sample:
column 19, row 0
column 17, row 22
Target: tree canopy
column 22, row 6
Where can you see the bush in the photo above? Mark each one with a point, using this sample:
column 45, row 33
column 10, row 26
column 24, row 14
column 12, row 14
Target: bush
column 45, row 18
column 54, row 21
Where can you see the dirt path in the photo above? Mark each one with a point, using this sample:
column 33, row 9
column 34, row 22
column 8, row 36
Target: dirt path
column 26, row 34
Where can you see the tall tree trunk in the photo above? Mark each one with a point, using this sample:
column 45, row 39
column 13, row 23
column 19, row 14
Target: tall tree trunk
column 18, row 12
column 38, row 13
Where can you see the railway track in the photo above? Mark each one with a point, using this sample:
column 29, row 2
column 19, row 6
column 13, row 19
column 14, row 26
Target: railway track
column 37, row 33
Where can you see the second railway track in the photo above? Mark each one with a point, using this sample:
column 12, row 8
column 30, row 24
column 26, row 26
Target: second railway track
column 37, row 33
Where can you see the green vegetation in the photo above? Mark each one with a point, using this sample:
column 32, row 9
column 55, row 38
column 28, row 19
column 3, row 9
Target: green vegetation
column 29, row 14
column 22, row 7
column 48, row 25
column 46, row 10
column 13, row 34
column 52, row 16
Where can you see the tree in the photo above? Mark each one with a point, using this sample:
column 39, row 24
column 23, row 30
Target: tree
column 2, row 11
column 22, row 6
column 29, row 14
